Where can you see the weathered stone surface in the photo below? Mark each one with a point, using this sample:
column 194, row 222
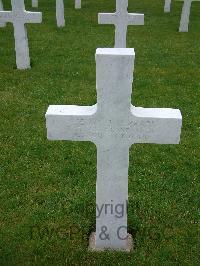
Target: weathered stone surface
column 113, row 124
column 34, row 3
column 121, row 19
column 77, row 4
column 19, row 17
column 60, row 13
column 167, row 7
column 2, row 24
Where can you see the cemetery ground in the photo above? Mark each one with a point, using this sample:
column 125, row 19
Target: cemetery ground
column 47, row 191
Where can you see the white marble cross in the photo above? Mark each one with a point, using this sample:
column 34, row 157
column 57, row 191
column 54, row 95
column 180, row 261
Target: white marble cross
column 185, row 16
column 167, row 6
column 113, row 124
column 19, row 16
column 2, row 24
column 121, row 19
column 60, row 13
column 77, row 4
column 34, row 3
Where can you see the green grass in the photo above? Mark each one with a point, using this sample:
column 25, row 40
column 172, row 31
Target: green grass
column 47, row 189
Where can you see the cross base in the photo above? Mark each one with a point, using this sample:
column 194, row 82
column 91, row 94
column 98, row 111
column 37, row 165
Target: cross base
column 92, row 246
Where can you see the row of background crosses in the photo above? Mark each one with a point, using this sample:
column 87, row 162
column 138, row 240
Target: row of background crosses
column 113, row 124
column 77, row 3
column 121, row 19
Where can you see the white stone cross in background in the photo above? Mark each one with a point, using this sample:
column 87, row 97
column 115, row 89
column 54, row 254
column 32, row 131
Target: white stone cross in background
column 185, row 16
column 2, row 24
column 77, row 4
column 34, row 3
column 60, row 13
column 121, row 19
column 19, row 16
column 167, row 6
column 113, row 124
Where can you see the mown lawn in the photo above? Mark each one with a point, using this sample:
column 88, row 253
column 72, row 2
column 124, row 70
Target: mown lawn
column 47, row 189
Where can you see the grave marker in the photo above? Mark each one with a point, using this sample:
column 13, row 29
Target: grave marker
column 185, row 16
column 19, row 17
column 121, row 19
column 77, row 4
column 167, row 7
column 1, row 9
column 113, row 124
column 60, row 13
column 34, row 3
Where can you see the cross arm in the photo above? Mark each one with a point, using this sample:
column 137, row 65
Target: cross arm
column 106, row 18
column 6, row 16
column 33, row 17
column 156, row 125
column 135, row 19
column 70, row 122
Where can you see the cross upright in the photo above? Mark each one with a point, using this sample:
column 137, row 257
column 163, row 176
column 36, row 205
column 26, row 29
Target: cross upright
column 19, row 17
column 121, row 19
column 113, row 124
column 77, row 4
column 2, row 24
column 60, row 13
column 34, row 3
column 167, row 6
column 185, row 16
